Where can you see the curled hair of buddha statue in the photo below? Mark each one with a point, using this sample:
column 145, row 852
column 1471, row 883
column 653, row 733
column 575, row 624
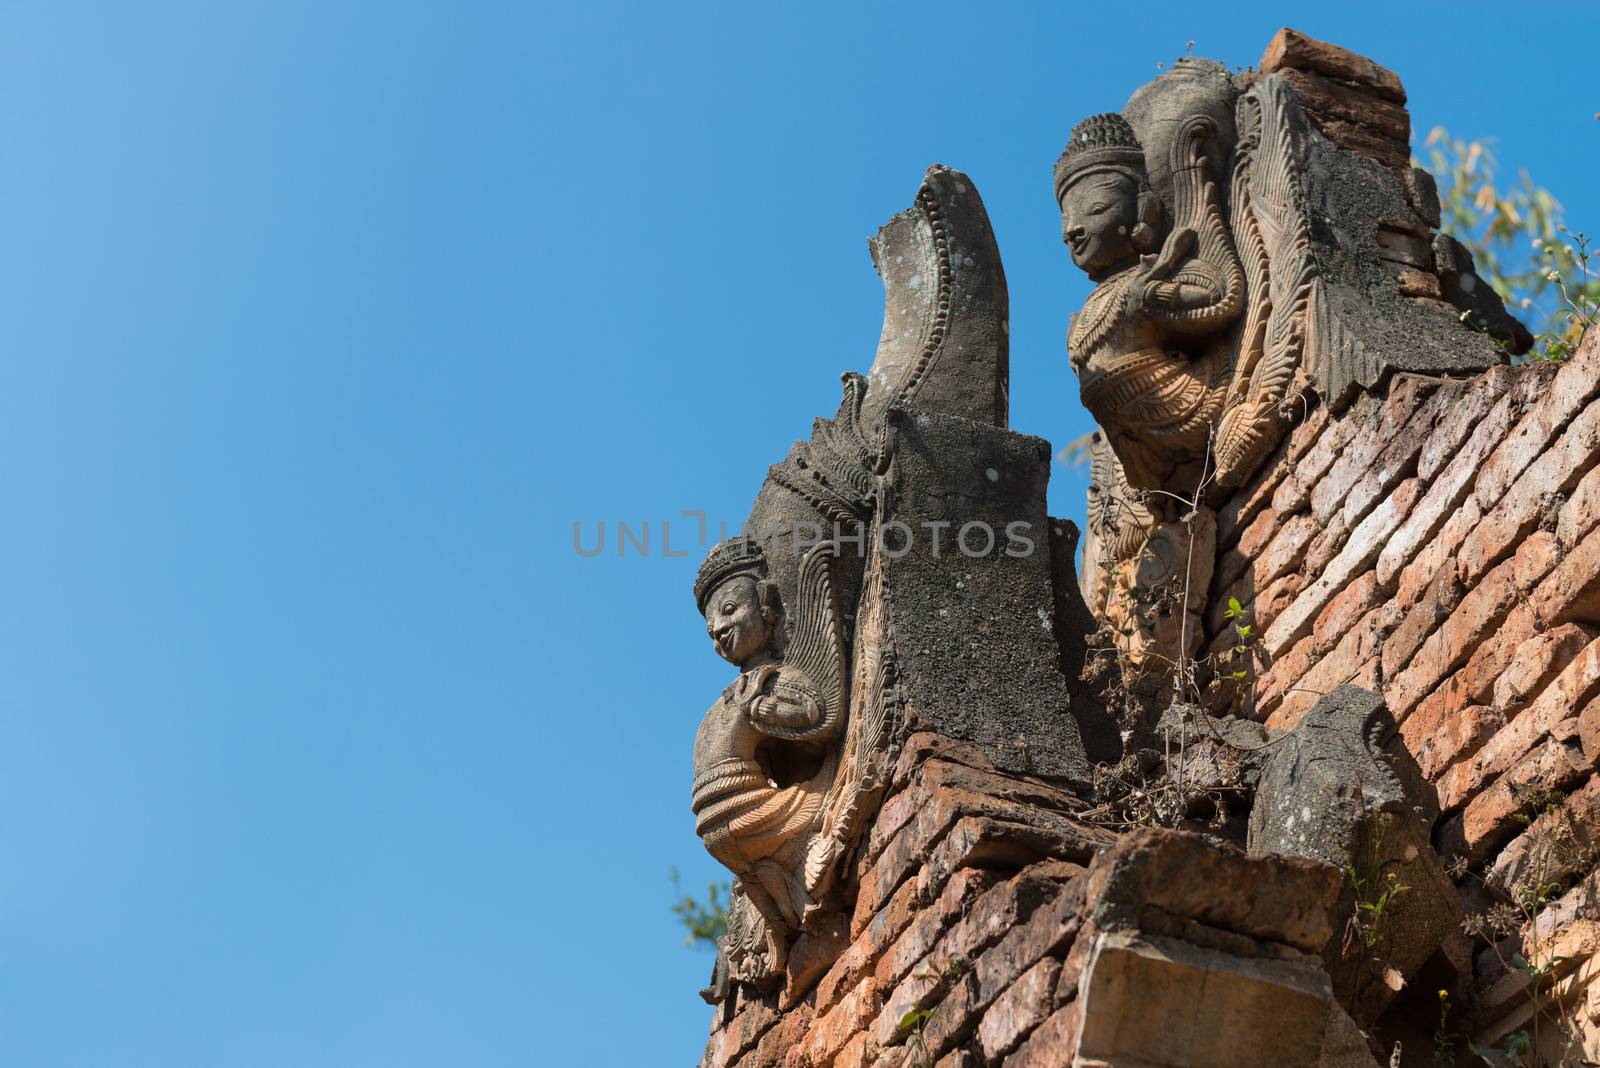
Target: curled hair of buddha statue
column 1107, row 143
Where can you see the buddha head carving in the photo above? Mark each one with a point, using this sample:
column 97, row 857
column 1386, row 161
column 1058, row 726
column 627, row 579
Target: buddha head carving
column 741, row 605
column 1109, row 214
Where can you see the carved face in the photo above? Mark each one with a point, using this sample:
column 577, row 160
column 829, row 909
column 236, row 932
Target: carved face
column 739, row 623
column 1098, row 215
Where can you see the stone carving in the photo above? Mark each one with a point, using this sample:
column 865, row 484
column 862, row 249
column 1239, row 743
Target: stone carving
column 778, row 797
column 792, row 758
column 1341, row 788
column 1188, row 344
column 1242, row 261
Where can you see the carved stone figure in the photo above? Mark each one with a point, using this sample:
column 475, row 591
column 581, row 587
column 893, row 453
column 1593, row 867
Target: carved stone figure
column 792, row 758
column 1243, row 261
column 1137, row 344
column 1187, row 347
column 776, row 798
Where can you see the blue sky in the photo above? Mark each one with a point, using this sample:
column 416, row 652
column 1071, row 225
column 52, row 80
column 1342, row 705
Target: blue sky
column 319, row 744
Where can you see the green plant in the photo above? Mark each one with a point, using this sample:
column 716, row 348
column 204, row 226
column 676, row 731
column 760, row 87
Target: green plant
column 1375, row 895
column 1444, row 1039
column 914, row 1022
column 1520, row 244
column 705, row 921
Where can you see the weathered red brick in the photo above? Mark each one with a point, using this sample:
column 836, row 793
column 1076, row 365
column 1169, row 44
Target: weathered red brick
column 1534, row 495
column 1491, row 817
column 1256, row 536
column 1571, row 388
column 1453, row 483
column 1536, row 662
column 929, row 925
column 1273, row 600
column 1019, row 1010
column 1294, row 493
column 879, row 932
column 1581, row 512
column 1479, row 612
column 856, row 1053
column 1285, row 672
column 775, row 1045
column 1423, row 618
column 1326, row 545
column 1358, row 554
column 753, row 1019
column 1439, row 554
column 1398, row 460
column 1052, row 1044
column 849, row 1018
column 1528, row 862
column 1370, row 451
column 1247, row 503
column 995, row 912
column 1456, row 733
column 1047, row 931
column 1572, row 590
column 1466, row 415
column 1344, row 611
column 1359, row 647
column 1560, row 700
column 1290, row 49
column 1589, row 731
column 1285, row 551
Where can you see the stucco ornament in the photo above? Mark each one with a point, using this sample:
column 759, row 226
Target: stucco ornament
column 785, row 761
column 1196, row 236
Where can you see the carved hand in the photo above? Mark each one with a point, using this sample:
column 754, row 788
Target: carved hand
column 1179, row 243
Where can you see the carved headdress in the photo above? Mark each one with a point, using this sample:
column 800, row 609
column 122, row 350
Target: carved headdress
column 1098, row 143
column 740, row 555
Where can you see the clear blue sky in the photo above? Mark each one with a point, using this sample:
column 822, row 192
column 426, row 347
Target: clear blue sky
column 319, row 745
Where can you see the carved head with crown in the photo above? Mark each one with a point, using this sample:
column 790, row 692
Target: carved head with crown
column 742, row 606
column 1109, row 214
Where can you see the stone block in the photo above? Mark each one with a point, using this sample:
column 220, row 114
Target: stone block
column 1156, row 1001
column 974, row 637
column 1326, row 96
column 1283, row 899
column 1334, row 791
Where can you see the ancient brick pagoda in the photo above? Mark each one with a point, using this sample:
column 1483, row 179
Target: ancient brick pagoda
column 1324, row 698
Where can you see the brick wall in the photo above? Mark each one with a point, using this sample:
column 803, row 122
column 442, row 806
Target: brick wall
column 1440, row 544
column 971, row 885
